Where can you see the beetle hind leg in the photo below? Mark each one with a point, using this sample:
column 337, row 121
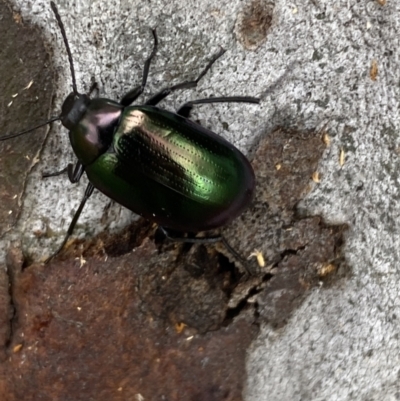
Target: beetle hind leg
column 203, row 240
column 209, row 240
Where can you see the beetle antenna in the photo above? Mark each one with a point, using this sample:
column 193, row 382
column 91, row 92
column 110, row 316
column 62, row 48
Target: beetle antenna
column 3, row 138
column 64, row 35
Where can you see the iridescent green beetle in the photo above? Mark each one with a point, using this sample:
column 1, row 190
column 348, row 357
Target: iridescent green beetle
column 159, row 164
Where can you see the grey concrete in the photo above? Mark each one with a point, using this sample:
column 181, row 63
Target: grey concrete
column 343, row 344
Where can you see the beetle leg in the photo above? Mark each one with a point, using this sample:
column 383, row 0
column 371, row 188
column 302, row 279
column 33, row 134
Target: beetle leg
column 184, row 85
column 56, row 173
column 208, row 240
column 94, row 87
column 88, row 193
column 74, row 173
column 133, row 94
column 186, row 108
column 236, row 255
column 203, row 240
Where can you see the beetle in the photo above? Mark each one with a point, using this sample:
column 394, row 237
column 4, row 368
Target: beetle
column 159, row 164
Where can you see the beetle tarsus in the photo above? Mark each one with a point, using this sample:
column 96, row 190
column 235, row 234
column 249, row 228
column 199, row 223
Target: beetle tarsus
column 56, row 173
column 237, row 256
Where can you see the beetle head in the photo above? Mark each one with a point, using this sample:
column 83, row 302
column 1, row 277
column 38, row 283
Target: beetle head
column 73, row 109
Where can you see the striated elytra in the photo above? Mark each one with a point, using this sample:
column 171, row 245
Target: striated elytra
column 159, row 164
column 162, row 166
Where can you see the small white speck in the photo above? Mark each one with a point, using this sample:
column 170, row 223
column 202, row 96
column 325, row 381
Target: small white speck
column 259, row 256
column 29, row 85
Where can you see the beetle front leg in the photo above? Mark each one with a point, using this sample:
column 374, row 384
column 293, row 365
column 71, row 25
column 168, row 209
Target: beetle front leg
column 74, row 173
column 133, row 94
column 154, row 100
column 56, row 173
column 88, row 193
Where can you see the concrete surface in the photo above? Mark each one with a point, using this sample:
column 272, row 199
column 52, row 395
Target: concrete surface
column 343, row 342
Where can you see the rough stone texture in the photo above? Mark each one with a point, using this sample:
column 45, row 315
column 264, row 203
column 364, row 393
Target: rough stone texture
column 253, row 23
column 295, row 249
column 87, row 330
column 115, row 321
column 26, row 94
column 342, row 342
column 6, row 313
